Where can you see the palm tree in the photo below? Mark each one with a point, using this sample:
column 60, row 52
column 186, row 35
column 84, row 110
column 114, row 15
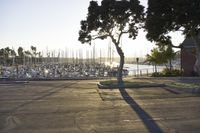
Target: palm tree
column 2, row 56
column 155, row 58
column 34, row 53
column 28, row 55
column 161, row 55
column 13, row 55
column 21, row 55
column 169, row 55
column 6, row 55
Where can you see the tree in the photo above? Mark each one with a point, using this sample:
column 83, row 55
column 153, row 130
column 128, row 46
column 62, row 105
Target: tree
column 28, row 55
column 20, row 52
column 163, row 54
column 112, row 19
column 33, row 53
column 13, row 55
column 7, row 55
column 167, row 53
column 155, row 58
column 174, row 15
column 2, row 55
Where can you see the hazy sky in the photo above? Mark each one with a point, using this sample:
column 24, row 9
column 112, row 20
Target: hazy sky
column 54, row 24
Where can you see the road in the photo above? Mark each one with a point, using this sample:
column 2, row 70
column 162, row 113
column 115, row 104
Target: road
column 80, row 107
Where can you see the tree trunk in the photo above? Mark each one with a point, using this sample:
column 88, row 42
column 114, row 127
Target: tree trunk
column 121, row 64
column 156, row 68
column 197, row 63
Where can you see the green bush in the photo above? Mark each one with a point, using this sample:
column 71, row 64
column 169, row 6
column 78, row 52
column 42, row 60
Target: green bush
column 157, row 74
column 167, row 73
column 172, row 72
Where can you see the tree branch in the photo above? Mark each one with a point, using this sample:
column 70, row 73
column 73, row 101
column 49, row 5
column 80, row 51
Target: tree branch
column 112, row 38
column 122, row 32
column 99, row 37
column 175, row 46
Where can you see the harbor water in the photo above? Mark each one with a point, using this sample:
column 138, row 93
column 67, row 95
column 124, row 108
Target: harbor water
column 140, row 69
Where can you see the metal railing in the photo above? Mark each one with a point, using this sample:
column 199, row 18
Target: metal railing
column 144, row 72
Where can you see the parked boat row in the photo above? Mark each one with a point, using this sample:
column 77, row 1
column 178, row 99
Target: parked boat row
column 56, row 70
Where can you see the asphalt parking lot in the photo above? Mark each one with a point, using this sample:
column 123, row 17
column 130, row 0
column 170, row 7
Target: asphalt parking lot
column 80, row 107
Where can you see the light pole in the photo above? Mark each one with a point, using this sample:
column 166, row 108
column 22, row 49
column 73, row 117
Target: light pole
column 137, row 60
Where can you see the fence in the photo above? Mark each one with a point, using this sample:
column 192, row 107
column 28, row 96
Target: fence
column 144, row 72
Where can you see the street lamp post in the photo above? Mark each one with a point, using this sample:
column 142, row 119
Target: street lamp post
column 137, row 60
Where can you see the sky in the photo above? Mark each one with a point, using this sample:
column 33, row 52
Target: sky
column 53, row 25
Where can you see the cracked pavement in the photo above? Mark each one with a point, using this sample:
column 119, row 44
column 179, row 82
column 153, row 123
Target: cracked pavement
column 80, row 107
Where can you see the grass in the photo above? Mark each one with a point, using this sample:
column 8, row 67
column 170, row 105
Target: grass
column 114, row 82
column 128, row 84
column 184, row 85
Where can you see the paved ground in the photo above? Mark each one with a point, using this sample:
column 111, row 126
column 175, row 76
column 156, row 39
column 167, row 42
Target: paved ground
column 80, row 107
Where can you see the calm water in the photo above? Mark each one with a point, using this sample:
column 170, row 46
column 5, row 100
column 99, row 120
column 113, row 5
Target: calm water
column 140, row 69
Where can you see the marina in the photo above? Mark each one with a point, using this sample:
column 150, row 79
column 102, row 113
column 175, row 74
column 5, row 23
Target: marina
column 72, row 70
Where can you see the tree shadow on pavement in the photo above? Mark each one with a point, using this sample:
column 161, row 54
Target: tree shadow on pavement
column 144, row 116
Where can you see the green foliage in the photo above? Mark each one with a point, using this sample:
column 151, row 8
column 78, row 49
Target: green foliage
column 111, row 84
column 157, row 74
column 168, row 16
column 6, row 55
column 172, row 15
column 156, row 57
column 160, row 55
column 188, row 86
column 172, row 72
column 112, row 19
column 167, row 51
column 33, row 50
column 168, row 73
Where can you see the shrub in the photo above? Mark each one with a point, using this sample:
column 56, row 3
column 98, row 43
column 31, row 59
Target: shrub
column 157, row 74
column 172, row 72
column 166, row 73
